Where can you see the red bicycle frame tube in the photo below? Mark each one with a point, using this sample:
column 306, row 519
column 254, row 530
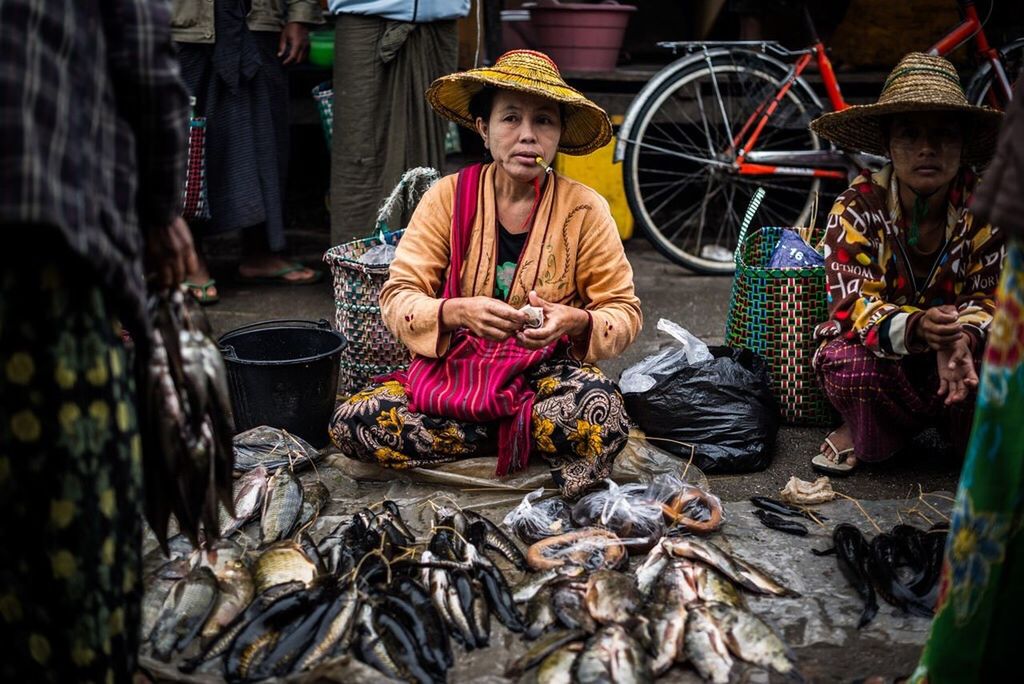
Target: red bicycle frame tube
column 767, row 109
column 969, row 28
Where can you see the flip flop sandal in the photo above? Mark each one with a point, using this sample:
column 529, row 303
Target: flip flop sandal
column 278, row 277
column 824, row 464
column 204, row 298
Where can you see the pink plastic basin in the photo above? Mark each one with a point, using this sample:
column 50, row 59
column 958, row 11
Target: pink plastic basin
column 580, row 36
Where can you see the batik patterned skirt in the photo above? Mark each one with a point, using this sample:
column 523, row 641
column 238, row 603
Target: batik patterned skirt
column 70, row 482
column 974, row 636
column 579, row 425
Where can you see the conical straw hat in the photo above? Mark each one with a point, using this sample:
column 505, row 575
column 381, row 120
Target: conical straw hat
column 919, row 83
column 586, row 126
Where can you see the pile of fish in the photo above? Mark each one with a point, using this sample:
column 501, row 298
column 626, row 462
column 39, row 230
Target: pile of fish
column 368, row 589
column 902, row 566
column 682, row 604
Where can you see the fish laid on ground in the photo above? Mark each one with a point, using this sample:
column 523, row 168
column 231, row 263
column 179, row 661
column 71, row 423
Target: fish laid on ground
column 525, row 591
column 853, row 556
column 739, row 571
column 282, row 506
column 235, row 590
column 570, row 606
column 712, row 587
column 540, row 613
column 258, row 638
column 777, row 522
column 249, row 492
column 705, row 646
column 612, row 597
column 882, row 570
column 315, row 496
column 283, row 562
column 499, row 598
column 783, row 508
column 612, row 656
column 158, row 585
column 666, row 618
column 557, row 667
column 186, row 608
column 750, row 639
column 647, row 572
column 541, row 649
column 334, row 629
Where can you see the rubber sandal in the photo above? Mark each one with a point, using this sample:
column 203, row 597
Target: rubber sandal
column 204, row 299
column 278, row 276
column 823, row 464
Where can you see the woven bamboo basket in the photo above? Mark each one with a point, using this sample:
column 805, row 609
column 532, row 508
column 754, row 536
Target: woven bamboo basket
column 371, row 350
column 773, row 312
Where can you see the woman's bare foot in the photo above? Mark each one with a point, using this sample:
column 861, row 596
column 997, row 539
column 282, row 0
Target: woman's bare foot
column 273, row 266
column 836, row 452
column 201, row 285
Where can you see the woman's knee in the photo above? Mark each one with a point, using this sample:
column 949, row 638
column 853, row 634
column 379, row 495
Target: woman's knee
column 849, row 370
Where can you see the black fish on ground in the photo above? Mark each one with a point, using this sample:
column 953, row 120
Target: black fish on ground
column 292, row 643
column 259, row 636
column 334, row 630
column 853, row 556
column 419, row 626
column 437, row 631
column 882, row 570
column 783, row 508
column 499, row 598
column 495, row 539
column 774, row 522
column 401, row 646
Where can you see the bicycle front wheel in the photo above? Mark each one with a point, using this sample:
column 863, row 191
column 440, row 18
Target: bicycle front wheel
column 678, row 171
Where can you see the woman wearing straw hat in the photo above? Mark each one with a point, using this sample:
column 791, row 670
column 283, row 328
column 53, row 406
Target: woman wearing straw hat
column 911, row 274
column 481, row 246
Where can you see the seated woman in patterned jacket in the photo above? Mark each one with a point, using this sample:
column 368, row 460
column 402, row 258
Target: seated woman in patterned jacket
column 911, row 274
column 481, row 381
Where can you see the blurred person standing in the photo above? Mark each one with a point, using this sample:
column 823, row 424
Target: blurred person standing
column 92, row 142
column 233, row 56
column 386, row 54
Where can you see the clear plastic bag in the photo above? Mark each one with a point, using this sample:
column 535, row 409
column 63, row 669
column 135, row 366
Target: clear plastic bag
column 626, row 511
column 688, row 507
column 273, row 448
column 533, row 520
column 378, row 255
column 640, row 461
column 689, row 351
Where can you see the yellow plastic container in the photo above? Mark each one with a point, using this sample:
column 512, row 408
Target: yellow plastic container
column 597, row 171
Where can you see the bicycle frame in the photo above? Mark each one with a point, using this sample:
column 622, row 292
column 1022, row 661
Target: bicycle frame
column 747, row 159
column 969, row 28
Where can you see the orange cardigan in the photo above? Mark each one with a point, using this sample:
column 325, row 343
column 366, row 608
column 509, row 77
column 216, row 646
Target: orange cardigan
column 572, row 256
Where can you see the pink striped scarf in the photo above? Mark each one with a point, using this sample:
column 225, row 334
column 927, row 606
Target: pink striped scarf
column 477, row 380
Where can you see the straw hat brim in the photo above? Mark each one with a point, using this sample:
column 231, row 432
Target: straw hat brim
column 858, row 127
column 586, row 127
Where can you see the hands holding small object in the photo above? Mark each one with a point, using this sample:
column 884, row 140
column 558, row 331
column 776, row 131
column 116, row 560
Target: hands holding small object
column 536, row 325
column 939, row 328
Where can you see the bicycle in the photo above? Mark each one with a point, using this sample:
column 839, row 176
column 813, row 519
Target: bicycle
column 729, row 116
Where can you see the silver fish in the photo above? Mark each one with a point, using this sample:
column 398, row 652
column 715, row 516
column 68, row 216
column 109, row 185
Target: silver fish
column 541, row 649
column 185, row 609
column 526, row 590
column 706, row 648
column 282, row 506
column 737, row 570
column 750, row 639
column 712, row 587
column 249, row 492
column 557, row 667
column 612, row 597
column 334, row 630
column 666, row 618
column 648, row 571
column 315, row 496
column 235, row 592
column 612, row 656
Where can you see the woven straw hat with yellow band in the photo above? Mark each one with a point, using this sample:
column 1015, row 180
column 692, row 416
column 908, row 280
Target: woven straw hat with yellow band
column 586, row 126
column 919, row 83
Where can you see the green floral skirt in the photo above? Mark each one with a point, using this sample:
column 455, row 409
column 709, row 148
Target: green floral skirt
column 70, row 483
column 976, row 633
column 579, row 425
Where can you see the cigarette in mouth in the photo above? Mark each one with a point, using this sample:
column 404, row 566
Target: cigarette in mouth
column 543, row 164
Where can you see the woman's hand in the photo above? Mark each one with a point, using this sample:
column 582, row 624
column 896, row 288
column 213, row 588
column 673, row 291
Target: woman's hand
column 957, row 375
column 294, row 43
column 939, row 328
column 170, row 253
column 486, row 317
column 558, row 320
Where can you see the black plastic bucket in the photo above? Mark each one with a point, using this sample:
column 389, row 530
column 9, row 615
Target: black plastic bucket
column 284, row 374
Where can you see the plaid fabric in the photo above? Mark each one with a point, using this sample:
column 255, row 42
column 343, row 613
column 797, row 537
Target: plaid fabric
column 93, row 121
column 886, row 402
column 194, row 204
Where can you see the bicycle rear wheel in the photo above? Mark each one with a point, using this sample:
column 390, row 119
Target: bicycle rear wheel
column 680, row 182
column 980, row 89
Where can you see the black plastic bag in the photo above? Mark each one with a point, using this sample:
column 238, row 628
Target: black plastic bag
column 723, row 407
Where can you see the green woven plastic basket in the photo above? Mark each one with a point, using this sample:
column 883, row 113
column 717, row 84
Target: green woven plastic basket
column 773, row 312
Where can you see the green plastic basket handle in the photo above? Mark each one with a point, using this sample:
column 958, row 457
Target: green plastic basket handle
column 410, row 188
column 755, row 203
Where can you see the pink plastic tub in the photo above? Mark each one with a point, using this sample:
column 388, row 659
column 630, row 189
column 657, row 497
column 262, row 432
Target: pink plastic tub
column 580, row 36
